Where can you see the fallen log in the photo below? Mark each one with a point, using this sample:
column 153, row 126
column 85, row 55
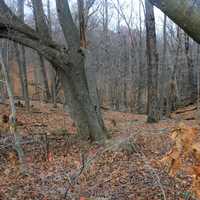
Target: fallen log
column 186, row 110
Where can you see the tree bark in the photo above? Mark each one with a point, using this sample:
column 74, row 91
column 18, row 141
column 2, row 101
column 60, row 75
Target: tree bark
column 152, row 60
column 82, row 110
column 185, row 13
column 163, row 79
column 191, row 71
column 45, row 85
column 141, row 80
column 52, row 71
column 44, row 31
column 21, row 60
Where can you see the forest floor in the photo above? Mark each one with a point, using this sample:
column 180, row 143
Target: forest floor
column 61, row 166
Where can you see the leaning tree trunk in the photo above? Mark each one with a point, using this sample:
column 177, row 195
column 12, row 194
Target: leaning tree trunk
column 185, row 13
column 152, row 60
column 13, row 125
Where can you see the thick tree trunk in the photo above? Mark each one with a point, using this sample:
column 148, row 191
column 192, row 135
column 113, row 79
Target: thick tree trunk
column 82, row 110
column 90, row 71
column 185, row 13
column 152, row 60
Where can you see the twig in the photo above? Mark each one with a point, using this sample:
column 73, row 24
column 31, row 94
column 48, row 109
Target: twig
column 85, row 165
column 135, row 146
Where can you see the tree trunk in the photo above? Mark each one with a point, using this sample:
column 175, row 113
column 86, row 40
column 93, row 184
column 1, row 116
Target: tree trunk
column 190, row 63
column 172, row 87
column 185, row 13
column 152, row 60
column 52, row 71
column 82, row 110
column 45, row 85
column 141, row 84
column 13, row 126
column 163, row 79
column 89, row 69
column 21, row 59
column 53, row 86
column 198, row 82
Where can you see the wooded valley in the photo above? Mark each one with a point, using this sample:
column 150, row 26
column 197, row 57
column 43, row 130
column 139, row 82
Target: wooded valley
column 99, row 99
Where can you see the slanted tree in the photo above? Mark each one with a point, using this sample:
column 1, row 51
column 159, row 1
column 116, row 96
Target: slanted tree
column 185, row 13
column 68, row 61
column 12, row 117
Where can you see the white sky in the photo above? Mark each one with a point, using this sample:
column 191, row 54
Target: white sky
column 127, row 8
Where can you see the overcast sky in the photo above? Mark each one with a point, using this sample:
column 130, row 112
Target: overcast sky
column 129, row 6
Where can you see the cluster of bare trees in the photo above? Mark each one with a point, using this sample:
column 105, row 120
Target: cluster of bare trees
column 129, row 68
column 144, row 73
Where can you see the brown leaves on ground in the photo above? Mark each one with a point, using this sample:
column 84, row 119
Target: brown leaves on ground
column 122, row 173
column 185, row 143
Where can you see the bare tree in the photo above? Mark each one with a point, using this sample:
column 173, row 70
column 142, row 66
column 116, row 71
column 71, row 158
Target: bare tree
column 39, row 21
column 141, row 81
column 89, row 67
column 21, row 60
column 190, row 63
column 163, row 80
column 152, row 60
column 51, row 69
column 68, row 61
column 13, row 124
